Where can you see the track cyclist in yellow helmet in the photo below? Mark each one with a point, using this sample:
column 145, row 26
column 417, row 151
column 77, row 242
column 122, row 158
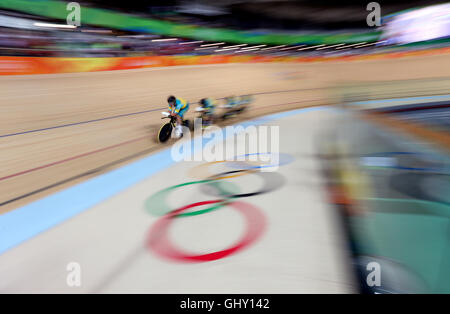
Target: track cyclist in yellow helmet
column 207, row 104
column 177, row 108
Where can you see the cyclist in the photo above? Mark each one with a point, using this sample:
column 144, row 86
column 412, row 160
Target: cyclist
column 231, row 102
column 208, row 107
column 177, row 108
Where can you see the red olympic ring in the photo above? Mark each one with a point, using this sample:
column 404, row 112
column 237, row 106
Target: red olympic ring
column 158, row 240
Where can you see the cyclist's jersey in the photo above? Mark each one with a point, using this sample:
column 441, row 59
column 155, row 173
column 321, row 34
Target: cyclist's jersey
column 180, row 104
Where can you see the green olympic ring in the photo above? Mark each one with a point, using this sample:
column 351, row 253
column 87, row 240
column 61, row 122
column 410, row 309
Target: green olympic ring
column 156, row 204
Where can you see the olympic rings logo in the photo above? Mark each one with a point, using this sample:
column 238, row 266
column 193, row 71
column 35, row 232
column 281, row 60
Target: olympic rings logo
column 226, row 194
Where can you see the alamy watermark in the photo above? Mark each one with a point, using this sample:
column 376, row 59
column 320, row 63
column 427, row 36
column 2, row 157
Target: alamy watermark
column 74, row 17
column 259, row 144
column 73, row 278
column 374, row 17
column 373, row 279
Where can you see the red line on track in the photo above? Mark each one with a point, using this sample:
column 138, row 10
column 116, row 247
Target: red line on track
column 72, row 158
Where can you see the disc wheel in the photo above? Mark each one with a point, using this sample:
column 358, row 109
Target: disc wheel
column 164, row 132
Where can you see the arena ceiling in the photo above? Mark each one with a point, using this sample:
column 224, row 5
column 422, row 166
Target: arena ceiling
column 282, row 14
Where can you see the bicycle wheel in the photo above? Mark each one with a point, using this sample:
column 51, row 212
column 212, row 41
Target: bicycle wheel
column 164, row 132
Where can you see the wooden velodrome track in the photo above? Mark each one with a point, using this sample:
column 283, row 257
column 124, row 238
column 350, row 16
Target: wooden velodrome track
column 58, row 130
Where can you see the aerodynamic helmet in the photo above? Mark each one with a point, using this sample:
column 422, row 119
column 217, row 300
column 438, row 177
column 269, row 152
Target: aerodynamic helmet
column 171, row 99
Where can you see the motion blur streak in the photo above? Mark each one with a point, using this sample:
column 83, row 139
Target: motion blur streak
column 360, row 201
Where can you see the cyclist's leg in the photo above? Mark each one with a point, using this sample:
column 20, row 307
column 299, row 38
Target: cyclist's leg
column 179, row 128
